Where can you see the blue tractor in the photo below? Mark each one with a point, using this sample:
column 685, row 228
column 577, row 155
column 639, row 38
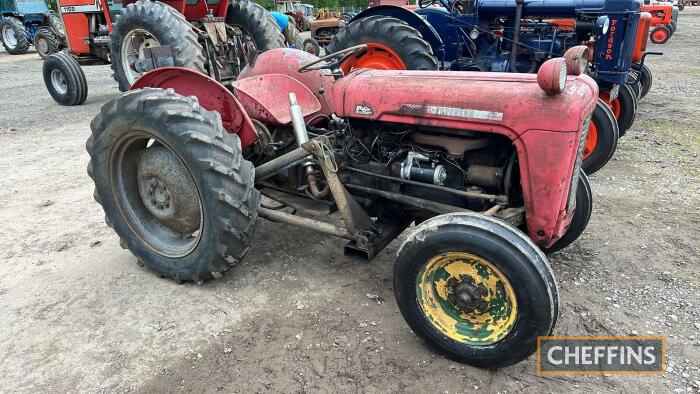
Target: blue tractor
column 30, row 22
column 511, row 36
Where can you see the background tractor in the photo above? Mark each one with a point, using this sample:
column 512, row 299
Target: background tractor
column 295, row 10
column 511, row 36
column 662, row 21
column 487, row 166
column 30, row 22
column 217, row 39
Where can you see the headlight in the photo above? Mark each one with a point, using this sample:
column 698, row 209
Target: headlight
column 474, row 34
column 602, row 25
column 552, row 76
column 576, row 59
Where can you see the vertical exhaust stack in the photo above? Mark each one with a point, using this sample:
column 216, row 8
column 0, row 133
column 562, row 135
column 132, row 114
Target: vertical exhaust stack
column 302, row 136
column 516, row 35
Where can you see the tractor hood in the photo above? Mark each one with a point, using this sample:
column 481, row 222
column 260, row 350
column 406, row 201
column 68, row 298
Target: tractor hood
column 506, row 103
column 29, row 7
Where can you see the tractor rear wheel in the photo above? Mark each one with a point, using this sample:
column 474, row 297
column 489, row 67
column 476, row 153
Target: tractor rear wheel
column 14, row 36
column 660, row 35
column 147, row 24
column 646, row 80
column 602, row 138
column 46, row 41
column 64, row 79
column 53, row 21
column 475, row 288
column 582, row 214
column 391, row 45
column 256, row 24
column 173, row 184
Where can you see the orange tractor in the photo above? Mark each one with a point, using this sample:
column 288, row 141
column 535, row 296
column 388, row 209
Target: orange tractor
column 215, row 37
column 661, row 20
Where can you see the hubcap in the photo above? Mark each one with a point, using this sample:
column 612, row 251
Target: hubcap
column 133, row 47
column 58, row 81
column 8, row 35
column 377, row 56
column 42, row 46
column 591, row 141
column 156, row 195
column 466, row 298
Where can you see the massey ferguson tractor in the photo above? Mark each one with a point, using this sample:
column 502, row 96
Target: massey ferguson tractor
column 217, row 38
column 511, row 36
column 487, row 166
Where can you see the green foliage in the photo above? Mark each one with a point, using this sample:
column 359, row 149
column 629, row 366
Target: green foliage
column 53, row 5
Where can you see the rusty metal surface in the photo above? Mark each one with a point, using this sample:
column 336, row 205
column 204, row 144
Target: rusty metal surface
column 455, row 146
column 300, row 221
column 428, row 205
column 265, row 97
column 211, row 94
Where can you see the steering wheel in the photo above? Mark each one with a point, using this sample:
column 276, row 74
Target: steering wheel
column 425, row 3
column 332, row 61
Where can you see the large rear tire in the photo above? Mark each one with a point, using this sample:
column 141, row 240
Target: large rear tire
column 148, row 23
column 173, row 184
column 475, row 288
column 64, row 79
column 392, row 45
column 601, row 142
column 624, row 107
column 257, row 23
column 582, row 214
column 14, row 36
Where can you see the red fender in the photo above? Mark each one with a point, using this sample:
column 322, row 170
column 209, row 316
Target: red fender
column 212, row 96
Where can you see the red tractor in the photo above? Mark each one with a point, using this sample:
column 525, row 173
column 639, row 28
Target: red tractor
column 488, row 166
column 217, row 38
column 661, row 20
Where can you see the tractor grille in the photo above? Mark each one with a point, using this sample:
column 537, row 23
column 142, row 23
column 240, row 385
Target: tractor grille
column 577, row 166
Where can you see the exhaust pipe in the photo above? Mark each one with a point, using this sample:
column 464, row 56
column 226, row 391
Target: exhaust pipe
column 516, row 35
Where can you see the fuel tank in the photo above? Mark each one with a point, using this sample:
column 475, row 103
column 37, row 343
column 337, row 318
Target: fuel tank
column 488, row 9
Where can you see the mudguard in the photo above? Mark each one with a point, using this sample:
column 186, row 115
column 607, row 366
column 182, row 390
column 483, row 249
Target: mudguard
column 212, row 96
column 411, row 18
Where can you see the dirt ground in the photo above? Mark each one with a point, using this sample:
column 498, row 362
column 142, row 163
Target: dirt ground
column 78, row 314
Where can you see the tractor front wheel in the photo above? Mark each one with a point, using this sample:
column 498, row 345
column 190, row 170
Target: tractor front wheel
column 660, row 35
column 475, row 288
column 146, row 24
column 391, row 45
column 173, row 184
column 64, row 79
column 46, row 41
column 624, row 107
column 582, row 214
column 14, row 36
column 312, row 46
column 646, row 79
column 602, row 138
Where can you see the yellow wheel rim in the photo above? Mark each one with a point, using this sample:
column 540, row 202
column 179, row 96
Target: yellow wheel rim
column 466, row 298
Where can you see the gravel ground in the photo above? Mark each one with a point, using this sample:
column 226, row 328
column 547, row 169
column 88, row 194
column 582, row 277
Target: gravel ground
column 80, row 315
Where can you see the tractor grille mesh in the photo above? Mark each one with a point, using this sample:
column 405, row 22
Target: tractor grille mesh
column 571, row 202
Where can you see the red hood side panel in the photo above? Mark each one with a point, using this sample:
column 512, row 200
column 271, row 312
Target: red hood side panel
column 509, row 104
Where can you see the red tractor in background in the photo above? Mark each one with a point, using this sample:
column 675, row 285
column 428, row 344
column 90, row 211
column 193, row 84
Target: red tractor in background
column 217, row 38
column 488, row 166
column 661, row 20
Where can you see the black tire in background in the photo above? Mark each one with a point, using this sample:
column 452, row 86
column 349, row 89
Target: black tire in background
column 404, row 40
column 210, row 157
column 512, row 253
column 256, row 22
column 163, row 23
column 64, row 79
column 646, row 79
column 56, row 24
column 607, row 136
column 628, row 108
column 582, row 214
column 311, row 46
column 46, row 41
column 20, row 34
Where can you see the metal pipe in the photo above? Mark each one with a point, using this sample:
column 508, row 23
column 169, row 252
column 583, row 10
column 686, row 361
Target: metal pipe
column 300, row 132
column 300, row 221
column 432, row 206
column 461, row 193
column 516, row 35
column 270, row 168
